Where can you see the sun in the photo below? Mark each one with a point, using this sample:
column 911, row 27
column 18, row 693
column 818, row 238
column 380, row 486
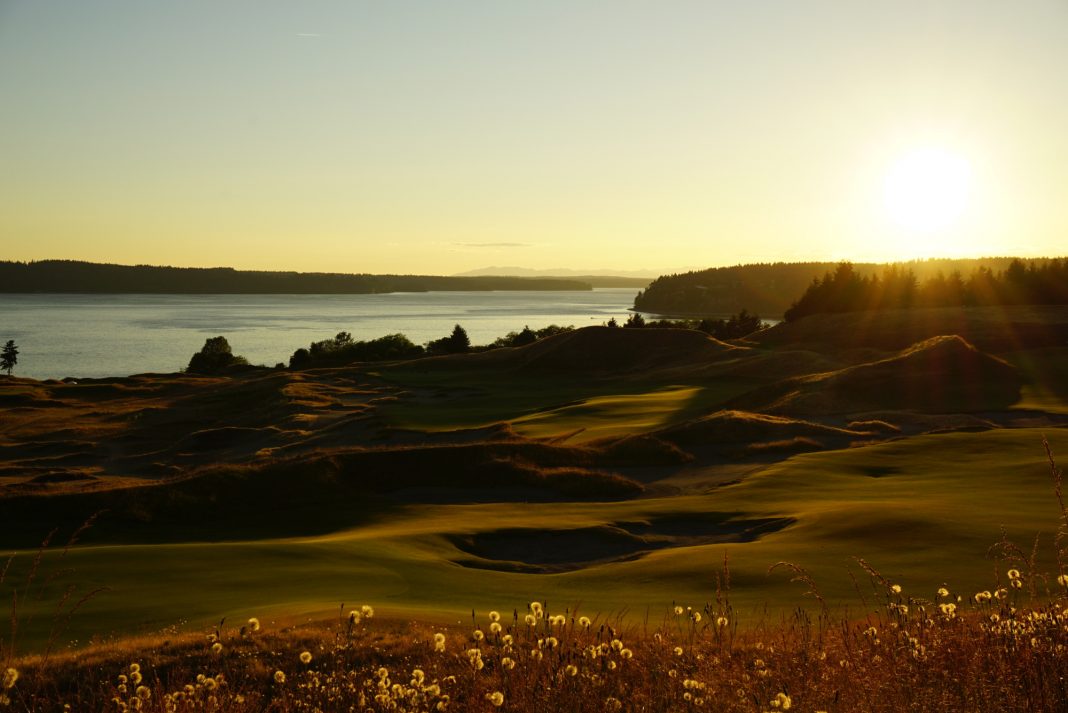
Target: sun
column 927, row 190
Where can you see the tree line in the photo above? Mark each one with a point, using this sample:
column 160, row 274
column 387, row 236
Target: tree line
column 73, row 276
column 845, row 289
column 770, row 288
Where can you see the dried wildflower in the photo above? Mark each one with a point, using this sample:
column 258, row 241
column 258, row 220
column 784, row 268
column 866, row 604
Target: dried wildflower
column 494, row 616
column 678, row 651
column 584, row 622
column 721, row 621
column 508, row 663
column 216, row 649
column 495, row 627
column 439, row 641
column 253, row 624
column 1013, row 574
column 279, row 677
column 478, row 635
column 305, row 657
column 678, row 610
column 571, row 670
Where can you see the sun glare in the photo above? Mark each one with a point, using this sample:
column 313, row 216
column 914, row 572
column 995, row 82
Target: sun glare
column 927, row 190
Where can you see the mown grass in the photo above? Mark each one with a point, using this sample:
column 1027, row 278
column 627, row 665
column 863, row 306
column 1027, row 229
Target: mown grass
column 925, row 510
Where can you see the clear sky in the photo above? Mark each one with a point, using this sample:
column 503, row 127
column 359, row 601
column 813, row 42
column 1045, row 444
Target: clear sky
column 440, row 136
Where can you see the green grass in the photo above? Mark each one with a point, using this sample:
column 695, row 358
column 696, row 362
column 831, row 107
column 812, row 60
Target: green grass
column 923, row 510
column 540, row 406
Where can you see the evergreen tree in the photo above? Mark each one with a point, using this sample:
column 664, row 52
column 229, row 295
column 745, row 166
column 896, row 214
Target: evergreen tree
column 9, row 357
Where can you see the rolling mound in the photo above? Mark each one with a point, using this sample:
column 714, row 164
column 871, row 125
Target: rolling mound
column 600, row 350
column 740, row 429
column 939, row 375
column 322, row 492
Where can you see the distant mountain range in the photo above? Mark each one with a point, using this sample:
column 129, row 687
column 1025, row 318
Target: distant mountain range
column 514, row 271
column 596, row 278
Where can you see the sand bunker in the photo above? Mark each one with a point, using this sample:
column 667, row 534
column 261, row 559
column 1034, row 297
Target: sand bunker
column 540, row 551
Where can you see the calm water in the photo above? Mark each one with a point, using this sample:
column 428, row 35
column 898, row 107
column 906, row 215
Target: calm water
column 115, row 335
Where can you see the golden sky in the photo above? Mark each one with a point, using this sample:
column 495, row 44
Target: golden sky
column 437, row 137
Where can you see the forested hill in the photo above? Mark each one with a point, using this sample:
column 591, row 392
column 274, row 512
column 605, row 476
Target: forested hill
column 88, row 277
column 768, row 289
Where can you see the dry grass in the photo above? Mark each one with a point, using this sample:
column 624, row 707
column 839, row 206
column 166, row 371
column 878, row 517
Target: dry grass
column 914, row 653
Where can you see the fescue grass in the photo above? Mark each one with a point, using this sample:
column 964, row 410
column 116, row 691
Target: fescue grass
column 985, row 651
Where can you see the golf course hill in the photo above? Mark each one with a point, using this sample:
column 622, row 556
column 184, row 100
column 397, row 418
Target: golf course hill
column 565, row 467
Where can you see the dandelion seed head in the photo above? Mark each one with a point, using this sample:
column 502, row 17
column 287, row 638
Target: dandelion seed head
column 10, row 676
column 494, row 616
column 216, row 649
column 584, row 622
column 496, row 698
column 279, row 677
column 305, row 657
column 254, row 624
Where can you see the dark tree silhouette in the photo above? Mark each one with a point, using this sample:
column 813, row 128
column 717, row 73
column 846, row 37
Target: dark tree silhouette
column 9, row 357
column 456, row 343
column 635, row 321
column 214, row 357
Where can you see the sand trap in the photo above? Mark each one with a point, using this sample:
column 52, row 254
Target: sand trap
column 547, row 551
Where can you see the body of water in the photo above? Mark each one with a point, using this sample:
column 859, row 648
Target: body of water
column 62, row 335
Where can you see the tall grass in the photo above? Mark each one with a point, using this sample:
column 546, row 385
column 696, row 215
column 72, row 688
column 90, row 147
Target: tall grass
column 1001, row 649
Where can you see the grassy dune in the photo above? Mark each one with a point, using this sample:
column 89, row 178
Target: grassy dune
column 606, row 472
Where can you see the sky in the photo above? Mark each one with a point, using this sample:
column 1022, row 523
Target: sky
column 436, row 137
